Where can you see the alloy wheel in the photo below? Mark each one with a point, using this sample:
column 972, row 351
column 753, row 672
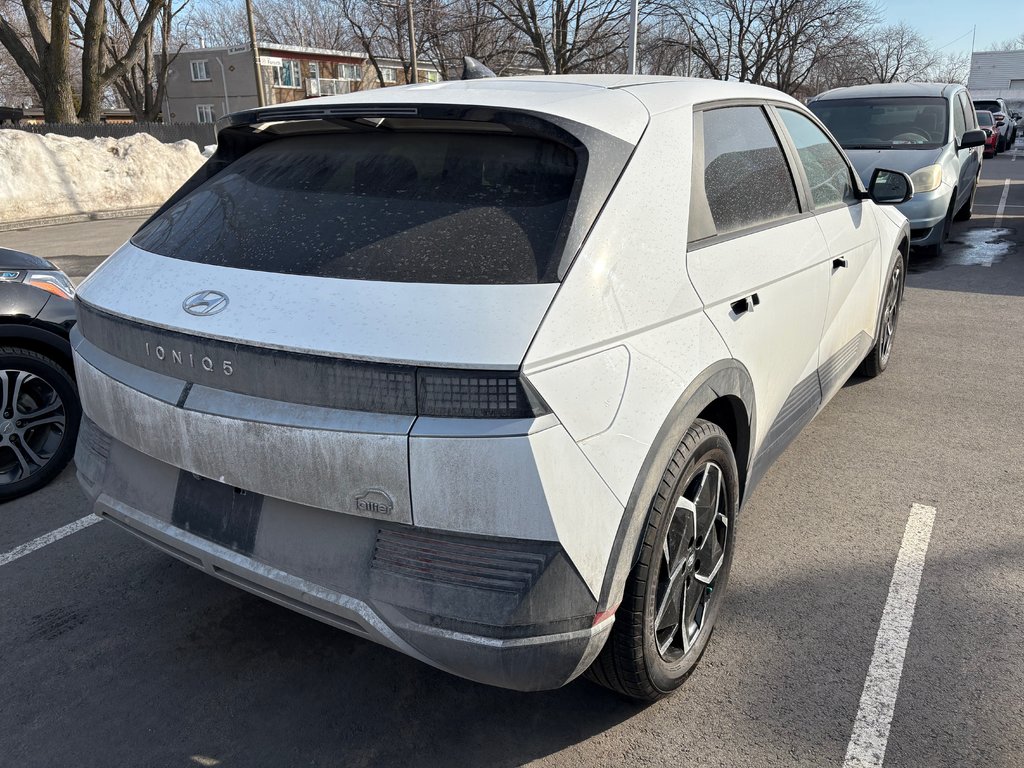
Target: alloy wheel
column 33, row 421
column 692, row 555
column 892, row 310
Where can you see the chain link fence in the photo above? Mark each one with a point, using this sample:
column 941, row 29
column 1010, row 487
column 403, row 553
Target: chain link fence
column 201, row 133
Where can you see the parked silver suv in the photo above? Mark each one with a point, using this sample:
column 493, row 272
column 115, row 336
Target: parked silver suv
column 927, row 130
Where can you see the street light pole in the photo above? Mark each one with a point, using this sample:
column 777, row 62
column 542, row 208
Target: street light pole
column 260, row 101
column 412, row 42
column 631, row 50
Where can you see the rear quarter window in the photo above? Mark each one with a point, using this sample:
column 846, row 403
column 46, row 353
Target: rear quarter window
column 411, row 207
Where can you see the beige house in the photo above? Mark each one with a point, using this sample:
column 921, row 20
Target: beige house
column 204, row 84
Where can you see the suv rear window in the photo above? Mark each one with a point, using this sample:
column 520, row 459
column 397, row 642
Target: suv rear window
column 988, row 106
column 410, row 207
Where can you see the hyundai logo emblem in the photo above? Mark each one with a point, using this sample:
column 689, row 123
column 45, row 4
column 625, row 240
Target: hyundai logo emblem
column 203, row 303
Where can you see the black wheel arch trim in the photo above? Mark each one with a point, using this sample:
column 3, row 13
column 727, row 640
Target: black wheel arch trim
column 726, row 378
column 38, row 340
column 902, row 250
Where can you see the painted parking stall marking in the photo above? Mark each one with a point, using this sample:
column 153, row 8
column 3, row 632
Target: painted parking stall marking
column 877, row 702
column 48, row 538
column 1002, row 202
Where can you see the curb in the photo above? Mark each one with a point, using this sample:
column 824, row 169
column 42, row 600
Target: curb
column 74, row 218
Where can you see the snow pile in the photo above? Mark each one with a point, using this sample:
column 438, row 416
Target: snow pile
column 53, row 175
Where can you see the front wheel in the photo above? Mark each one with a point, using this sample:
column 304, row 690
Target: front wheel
column 674, row 593
column 967, row 211
column 39, row 418
column 878, row 357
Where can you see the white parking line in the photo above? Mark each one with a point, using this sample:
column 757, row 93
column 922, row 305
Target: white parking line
column 1002, row 202
column 874, row 715
column 48, row 538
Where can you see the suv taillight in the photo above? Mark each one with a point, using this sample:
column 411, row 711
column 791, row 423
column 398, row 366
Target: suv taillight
column 476, row 394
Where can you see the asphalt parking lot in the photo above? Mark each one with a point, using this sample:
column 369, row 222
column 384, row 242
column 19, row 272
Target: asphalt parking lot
column 114, row 654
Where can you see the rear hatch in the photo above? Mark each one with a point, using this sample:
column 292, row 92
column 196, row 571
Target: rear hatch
column 329, row 276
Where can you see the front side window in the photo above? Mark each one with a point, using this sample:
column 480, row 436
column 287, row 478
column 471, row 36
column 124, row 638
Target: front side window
column 904, row 122
column 827, row 171
column 199, row 71
column 423, row 207
column 959, row 119
column 972, row 121
column 747, row 182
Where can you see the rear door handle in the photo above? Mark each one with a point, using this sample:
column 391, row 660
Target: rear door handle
column 746, row 304
column 839, row 263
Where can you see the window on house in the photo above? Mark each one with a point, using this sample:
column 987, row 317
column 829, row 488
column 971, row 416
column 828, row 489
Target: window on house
column 288, row 75
column 204, row 113
column 390, row 74
column 428, row 76
column 351, row 72
column 199, row 71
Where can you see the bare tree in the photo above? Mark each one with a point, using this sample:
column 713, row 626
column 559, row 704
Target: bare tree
column 949, row 68
column 40, row 46
column 562, row 36
column 453, row 29
column 1013, row 44
column 142, row 87
column 896, row 53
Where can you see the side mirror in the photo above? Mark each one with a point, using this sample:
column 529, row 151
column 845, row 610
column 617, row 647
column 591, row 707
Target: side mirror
column 972, row 139
column 890, row 187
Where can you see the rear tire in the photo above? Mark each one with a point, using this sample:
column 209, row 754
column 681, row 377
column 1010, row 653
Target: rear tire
column 673, row 595
column 878, row 357
column 39, row 418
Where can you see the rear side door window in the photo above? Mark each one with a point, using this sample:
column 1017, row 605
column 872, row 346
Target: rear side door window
column 972, row 119
column 742, row 180
column 828, row 174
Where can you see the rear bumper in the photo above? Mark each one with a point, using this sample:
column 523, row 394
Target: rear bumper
column 533, row 662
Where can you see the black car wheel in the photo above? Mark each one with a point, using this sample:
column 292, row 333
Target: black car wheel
column 39, row 418
column 675, row 591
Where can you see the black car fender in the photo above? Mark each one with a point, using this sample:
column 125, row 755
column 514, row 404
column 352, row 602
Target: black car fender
column 726, row 378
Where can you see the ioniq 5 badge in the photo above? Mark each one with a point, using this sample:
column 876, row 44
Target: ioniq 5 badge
column 203, row 303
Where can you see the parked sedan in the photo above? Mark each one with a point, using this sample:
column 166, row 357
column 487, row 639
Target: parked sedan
column 987, row 123
column 927, row 130
column 484, row 371
column 39, row 412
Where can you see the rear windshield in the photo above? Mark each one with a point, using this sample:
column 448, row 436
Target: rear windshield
column 988, row 106
column 984, row 118
column 886, row 123
column 410, row 207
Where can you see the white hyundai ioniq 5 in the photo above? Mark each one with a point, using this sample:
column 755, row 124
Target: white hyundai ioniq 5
column 484, row 370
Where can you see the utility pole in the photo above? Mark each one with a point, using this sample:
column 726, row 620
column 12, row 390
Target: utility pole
column 255, row 55
column 412, row 42
column 631, row 49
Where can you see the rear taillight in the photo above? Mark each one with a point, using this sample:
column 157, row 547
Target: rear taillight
column 476, row 394
column 999, row 119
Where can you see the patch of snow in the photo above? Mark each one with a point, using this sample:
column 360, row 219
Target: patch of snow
column 55, row 175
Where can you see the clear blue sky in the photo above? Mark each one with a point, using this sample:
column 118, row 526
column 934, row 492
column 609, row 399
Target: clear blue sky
column 941, row 21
